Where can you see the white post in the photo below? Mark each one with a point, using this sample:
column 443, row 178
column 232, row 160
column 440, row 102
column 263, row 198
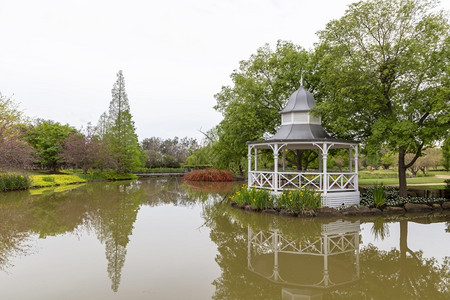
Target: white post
column 256, row 159
column 324, row 168
column 275, row 168
column 320, row 161
column 249, row 175
column 249, row 245
column 326, row 277
column 350, row 159
column 276, row 272
column 356, row 168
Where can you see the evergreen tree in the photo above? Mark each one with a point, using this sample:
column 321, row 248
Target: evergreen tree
column 120, row 130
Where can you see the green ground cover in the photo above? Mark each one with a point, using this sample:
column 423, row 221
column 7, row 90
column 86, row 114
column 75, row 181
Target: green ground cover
column 54, row 180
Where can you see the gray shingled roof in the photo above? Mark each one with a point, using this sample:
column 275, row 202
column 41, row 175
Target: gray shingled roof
column 300, row 100
column 300, row 132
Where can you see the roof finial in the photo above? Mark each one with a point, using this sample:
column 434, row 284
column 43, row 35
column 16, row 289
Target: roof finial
column 301, row 79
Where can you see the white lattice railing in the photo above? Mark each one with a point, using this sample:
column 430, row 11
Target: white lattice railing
column 342, row 181
column 297, row 180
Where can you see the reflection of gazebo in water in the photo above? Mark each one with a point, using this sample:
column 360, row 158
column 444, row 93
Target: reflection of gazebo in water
column 302, row 131
column 305, row 267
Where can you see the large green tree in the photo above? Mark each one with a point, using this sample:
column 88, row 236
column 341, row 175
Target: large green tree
column 251, row 104
column 119, row 130
column 384, row 77
column 47, row 138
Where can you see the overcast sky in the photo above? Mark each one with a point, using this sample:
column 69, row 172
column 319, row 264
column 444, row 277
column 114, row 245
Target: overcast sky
column 59, row 59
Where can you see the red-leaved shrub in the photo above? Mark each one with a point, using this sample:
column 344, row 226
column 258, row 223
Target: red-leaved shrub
column 209, row 175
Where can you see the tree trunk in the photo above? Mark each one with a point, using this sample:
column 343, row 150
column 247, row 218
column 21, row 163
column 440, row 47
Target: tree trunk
column 402, row 174
column 299, row 159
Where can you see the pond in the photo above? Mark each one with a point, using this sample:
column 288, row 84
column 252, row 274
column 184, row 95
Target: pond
column 165, row 239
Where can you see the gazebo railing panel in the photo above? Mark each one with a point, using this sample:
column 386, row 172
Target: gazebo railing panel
column 341, row 181
column 261, row 179
column 297, row 180
column 336, row 181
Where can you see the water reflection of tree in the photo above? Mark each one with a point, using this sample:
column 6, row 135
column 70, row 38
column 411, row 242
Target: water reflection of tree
column 396, row 274
column 13, row 229
column 109, row 209
column 113, row 221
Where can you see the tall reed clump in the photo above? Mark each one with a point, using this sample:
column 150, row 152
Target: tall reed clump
column 258, row 199
column 379, row 196
column 11, row 182
column 296, row 200
column 209, row 175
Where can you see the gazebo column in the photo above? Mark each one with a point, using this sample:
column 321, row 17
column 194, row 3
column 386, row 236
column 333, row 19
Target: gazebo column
column 256, row 159
column 275, row 168
column 356, row 167
column 250, row 181
column 324, row 168
column 320, row 160
column 350, row 159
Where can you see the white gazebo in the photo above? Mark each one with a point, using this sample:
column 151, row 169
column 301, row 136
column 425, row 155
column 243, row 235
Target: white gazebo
column 302, row 131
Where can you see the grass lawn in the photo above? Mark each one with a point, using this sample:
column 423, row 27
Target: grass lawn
column 390, row 177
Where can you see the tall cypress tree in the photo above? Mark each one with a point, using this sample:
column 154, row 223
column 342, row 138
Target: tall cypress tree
column 120, row 129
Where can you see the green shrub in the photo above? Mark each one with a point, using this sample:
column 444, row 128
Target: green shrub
column 379, row 196
column 393, row 199
column 11, row 182
column 447, row 181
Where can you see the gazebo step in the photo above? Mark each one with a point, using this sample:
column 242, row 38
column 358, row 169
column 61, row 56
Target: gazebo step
column 338, row 199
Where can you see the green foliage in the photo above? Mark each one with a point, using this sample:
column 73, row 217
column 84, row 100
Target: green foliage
column 12, row 182
column 379, row 196
column 392, row 198
column 383, row 76
column 447, row 181
column 296, row 200
column 251, row 104
column 47, row 138
column 48, row 179
column 446, row 154
column 114, row 176
column 258, row 199
column 119, row 132
column 55, row 180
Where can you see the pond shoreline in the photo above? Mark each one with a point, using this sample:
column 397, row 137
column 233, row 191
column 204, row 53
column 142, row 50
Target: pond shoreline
column 351, row 210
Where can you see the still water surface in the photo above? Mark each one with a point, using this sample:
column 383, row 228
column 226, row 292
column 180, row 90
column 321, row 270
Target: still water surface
column 164, row 239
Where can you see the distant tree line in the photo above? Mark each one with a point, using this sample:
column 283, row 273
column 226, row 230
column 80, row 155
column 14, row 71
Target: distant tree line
column 112, row 144
column 167, row 153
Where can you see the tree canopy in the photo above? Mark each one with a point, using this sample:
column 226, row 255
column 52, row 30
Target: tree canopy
column 383, row 71
column 250, row 106
column 117, row 129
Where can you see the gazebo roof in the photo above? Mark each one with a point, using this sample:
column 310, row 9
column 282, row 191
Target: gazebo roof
column 301, row 102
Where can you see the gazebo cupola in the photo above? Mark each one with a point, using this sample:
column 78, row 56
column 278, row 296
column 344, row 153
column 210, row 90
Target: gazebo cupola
column 300, row 130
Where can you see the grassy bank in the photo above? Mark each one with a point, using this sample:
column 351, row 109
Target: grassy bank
column 12, row 181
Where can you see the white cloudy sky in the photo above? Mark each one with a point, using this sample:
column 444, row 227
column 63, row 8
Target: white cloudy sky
column 59, row 58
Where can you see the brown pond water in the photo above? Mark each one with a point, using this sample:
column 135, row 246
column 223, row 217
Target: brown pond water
column 163, row 239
